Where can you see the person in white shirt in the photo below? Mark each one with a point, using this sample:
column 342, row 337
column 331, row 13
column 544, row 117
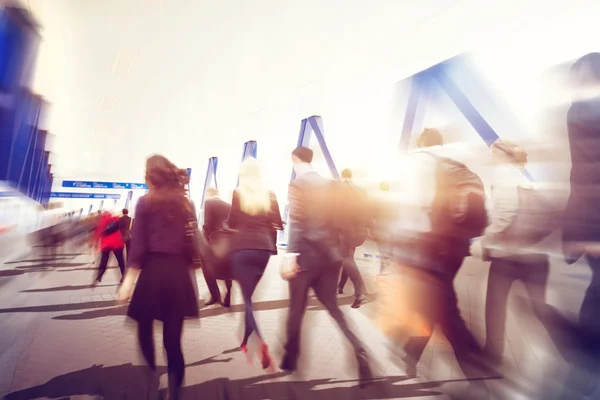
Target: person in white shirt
column 509, row 261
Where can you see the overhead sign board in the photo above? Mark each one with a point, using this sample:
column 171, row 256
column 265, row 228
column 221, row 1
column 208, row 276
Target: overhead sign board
column 65, row 195
column 104, row 185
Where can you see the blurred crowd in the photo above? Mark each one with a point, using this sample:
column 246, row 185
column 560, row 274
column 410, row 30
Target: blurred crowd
column 443, row 213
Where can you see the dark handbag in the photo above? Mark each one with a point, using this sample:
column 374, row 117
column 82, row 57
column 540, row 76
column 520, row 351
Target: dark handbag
column 195, row 242
column 111, row 227
column 536, row 219
column 221, row 244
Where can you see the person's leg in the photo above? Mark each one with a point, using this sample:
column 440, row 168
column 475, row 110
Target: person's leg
column 535, row 277
column 227, row 300
column 298, row 287
column 103, row 264
column 172, row 331
column 121, row 261
column 343, row 280
column 244, row 272
column 465, row 346
column 324, row 287
column 146, row 342
column 128, row 249
column 213, row 288
column 351, row 269
column 498, row 287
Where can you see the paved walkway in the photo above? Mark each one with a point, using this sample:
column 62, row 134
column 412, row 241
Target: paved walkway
column 60, row 339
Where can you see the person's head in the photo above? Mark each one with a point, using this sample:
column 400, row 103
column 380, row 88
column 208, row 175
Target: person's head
column 125, row 211
column 384, row 186
column 430, row 137
column 255, row 198
column 302, row 155
column 212, row 192
column 585, row 71
column 506, row 152
column 167, row 186
column 346, row 174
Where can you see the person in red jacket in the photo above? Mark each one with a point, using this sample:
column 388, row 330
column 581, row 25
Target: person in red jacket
column 111, row 241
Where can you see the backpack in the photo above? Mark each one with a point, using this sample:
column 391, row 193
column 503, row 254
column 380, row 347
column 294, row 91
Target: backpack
column 111, row 227
column 350, row 212
column 458, row 208
column 536, row 219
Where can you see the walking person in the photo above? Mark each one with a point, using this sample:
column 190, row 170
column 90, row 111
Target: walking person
column 110, row 239
column 355, row 236
column 216, row 212
column 125, row 228
column 443, row 218
column 160, row 256
column 314, row 259
column 254, row 213
column 511, row 258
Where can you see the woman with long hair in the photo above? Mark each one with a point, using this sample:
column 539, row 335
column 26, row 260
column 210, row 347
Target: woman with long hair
column 254, row 213
column 159, row 254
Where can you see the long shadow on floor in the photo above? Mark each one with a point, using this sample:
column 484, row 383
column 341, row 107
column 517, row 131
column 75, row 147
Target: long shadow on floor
column 51, row 265
column 124, row 381
column 129, row 382
column 63, row 288
column 67, row 307
column 313, row 305
column 45, row 259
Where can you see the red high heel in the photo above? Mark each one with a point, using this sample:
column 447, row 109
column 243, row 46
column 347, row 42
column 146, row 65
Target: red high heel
column 266, row 357
column 244, row 349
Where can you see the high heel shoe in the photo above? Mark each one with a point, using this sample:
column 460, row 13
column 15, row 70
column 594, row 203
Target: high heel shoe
column 244, row 349
column 266, row 357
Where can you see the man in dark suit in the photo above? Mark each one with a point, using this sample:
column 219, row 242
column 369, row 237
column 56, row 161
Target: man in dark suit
column 125, row 228
column 316, row 258
column 216, row 212
column 349, row 268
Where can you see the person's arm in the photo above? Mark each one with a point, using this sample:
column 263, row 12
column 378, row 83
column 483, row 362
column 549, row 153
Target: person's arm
column 233, row 220
column 296, row 217
column 275, row 213
column 139, row 248
column 209, row 217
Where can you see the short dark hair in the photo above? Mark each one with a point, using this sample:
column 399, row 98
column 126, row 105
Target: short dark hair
column 125, row 211
column 586, row 69
column 346, row 173
column 430, row 137
column 303, row 154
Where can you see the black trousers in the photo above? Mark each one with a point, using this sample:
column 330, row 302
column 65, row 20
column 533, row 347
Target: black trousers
column 323, row 279
column 437, row 304
column 213, row 287
column 248, row 268
column 172, row 331
column 104, row 262
column 128, row 248
column 503, row 273
column 350, row 270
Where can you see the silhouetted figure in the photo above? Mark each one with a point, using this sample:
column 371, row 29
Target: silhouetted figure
column 315, row 243
column 161, row 257
column 216, row 212
column 125, row 228
column 254, row 212
column 349, row 267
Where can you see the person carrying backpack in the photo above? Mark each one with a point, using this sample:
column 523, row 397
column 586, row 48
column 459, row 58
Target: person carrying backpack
column 355, row 222
column 447, row 211
column 109, row 236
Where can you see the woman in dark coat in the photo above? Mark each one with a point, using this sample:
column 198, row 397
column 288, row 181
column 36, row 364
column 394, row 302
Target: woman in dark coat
column 159, row 254
column 254, row 214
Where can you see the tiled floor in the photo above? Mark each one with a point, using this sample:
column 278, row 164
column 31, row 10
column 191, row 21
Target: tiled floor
column 60, row 339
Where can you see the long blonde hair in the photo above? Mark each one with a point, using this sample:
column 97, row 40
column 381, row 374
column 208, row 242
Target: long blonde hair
column 255, row 198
